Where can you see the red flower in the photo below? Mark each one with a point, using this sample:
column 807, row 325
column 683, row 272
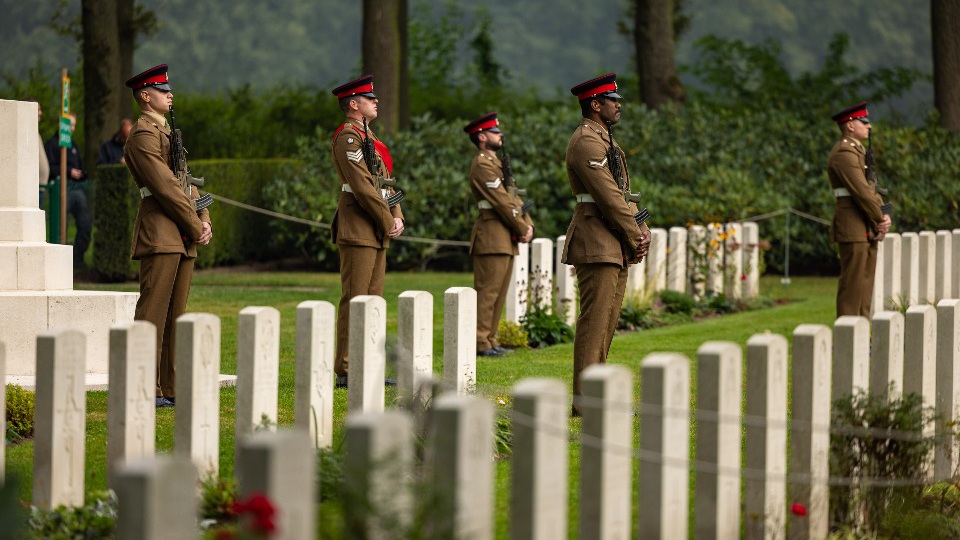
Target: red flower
column 224, row 534
column 798, row 509
column 262, row 513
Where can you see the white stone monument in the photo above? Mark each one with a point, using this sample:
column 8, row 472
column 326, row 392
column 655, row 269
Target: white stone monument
column 714, row 256
column 851, row 356
column 947, row 452
column 943, row 278
column 541, row 272
column 368, row 353
column 258, row 370
column 876, row 304
column 910, row 267
column 460, row 340
column 414, row 343
column 955, row 245
column 697, row 260
column 157, row 499
column 516, row 304
column 928, row 267
column 886, row 354
column 36, row 278
column 131, row 411
column 677, row 260
column 197, row 428
column 313, row 384
column 892, row 274
column 750, row 246
column 565, row 302
column 733, row 261
column 657, row 259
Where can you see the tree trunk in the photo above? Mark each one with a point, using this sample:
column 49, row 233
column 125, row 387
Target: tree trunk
column 653, row 41
column 945, row 31
column 127, row 33
column 101, row 73
column 382, row 58
column 403, row 23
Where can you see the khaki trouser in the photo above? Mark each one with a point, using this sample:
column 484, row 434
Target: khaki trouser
column 491, row 278
column 601, row 295
column 164, row 287
column 362, row 270
column 858, row 265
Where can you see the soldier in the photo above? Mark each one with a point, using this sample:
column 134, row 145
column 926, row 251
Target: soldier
column 168, row 227
column 603, row 238
column 364, row 222
column 858, row 221
column 500, row 225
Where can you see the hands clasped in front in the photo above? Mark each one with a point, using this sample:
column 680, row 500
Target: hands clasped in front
column 397, row 229
column 206, row 235
column 883, row 228
column 642, row 249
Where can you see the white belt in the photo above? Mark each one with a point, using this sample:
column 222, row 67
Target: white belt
column 841, row 192
column 346, row 188
column 145, row 192
column 484, row 205
column 584, row 197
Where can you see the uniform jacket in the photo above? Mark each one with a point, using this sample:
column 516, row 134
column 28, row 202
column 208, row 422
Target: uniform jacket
column 856, row 215
column 496, row 230
column 597, row 229
column 167, row 216
column 363, row 217
column 52, row 147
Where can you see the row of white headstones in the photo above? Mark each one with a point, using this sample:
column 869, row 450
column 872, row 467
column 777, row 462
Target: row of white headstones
column 919, row 353
column 699, row 260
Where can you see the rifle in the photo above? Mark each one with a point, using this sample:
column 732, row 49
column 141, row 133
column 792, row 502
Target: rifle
column 870, row 160
column 508, row 178
column 178, row 164
column 616, row 169
column 372, row 160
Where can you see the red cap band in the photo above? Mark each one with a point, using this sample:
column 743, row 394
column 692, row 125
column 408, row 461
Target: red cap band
column 483, row 126
column 596, row 90
column 362, row 89
column 855, row 114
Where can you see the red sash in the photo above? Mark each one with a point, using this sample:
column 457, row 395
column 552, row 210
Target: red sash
column 379, row 146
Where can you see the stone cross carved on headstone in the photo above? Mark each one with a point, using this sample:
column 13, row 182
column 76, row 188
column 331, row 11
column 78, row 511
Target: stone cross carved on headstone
column 368, row 353
column 662, row 506
column 131, row 413
column 258, row 370
column 460, row 340
column 313, row 384
column 719, row 387
column 60, row 420
column 414, row 343
column 197, row 430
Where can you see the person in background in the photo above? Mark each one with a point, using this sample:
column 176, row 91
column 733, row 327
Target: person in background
column 76, row 191
column 44, row 162
column 111, row 151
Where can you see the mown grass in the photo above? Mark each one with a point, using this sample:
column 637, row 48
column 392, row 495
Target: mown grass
column 225, row 293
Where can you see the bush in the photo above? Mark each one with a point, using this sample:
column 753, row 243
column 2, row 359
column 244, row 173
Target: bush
column 677, row 302
column 512, row 335
column 544, row 328
column 96, row 520
column 20, row 405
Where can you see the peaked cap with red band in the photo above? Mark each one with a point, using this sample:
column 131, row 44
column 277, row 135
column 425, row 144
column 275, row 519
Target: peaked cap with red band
column 155, row 77
column 857, row 112
column 487, row 122
column 605, row 86
column 359, row 87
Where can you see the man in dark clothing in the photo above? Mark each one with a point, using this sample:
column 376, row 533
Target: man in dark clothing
column 111, row 152
column 76, row 195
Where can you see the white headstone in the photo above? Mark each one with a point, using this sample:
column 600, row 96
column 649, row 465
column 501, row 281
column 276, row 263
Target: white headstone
column 892, row 276
column 920, row 361
column 460, row 340
column 886, row 354
column 606, row 479
column 565, row 303
column 131, row 411
column 955, row 256
column 677, row 260
column 928, row 268
column 539, row 491
column 948, row 387
column 379, row 466
column 3, row 410
column 368, row 353
column 637, row 278
column 876, row 304
column 766, row 437
column 197, row 430
column 943, row 287
column 59, row 437
column 460, row 458
column 716, row 513
column 313, row 377
column 910, row 267
column 157, row 499
column 851, row 356
column 258, row 370
column 282, row 467
column 714, row 246
column 657, row 259
column 733, row 271
column 663, row 503
column 751, row 259
column 541, row 271
column 697, row 262
column 516, row 303
column 810, row 437
column 414, row 343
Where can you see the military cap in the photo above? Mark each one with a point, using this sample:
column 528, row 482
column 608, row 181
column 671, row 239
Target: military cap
column 359, row 87
column 487, row 122
column 857, row 112
column 605, row 86
column 155, row 77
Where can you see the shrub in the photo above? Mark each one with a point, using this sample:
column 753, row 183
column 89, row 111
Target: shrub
column 544, row 328
column 95, row 520
column 677, row 302
column 20, row 405
column 635, row 312
column 512, row 335
column 217, row 497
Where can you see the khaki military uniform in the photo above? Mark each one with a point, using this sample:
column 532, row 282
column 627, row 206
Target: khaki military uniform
column 164, row 233
column 360, row 228
column 493, row 242
column 856, row 215
column 600, row 240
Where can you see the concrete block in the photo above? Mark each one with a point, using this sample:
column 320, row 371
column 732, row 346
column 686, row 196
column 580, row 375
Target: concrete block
column 92, row 312
column 19, row 154
column 8, row 267
column 44, row 267
column 22, row 225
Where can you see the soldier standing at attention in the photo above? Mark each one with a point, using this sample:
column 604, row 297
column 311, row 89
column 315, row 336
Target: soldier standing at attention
column 603, row 238
column 858, row 221
column 499, row 227
column 364, row 222
column 168, row 227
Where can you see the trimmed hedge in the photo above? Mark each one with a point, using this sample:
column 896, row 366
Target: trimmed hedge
column 239, row 235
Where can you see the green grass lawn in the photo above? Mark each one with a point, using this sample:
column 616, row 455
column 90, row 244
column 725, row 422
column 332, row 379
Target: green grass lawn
column 225, row 293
